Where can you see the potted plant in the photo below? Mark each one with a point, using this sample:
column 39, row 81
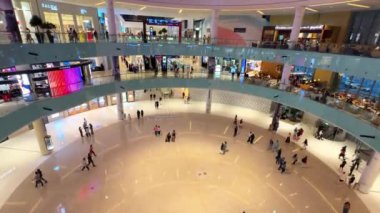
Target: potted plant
column 48, row 27
column 36, row 22
column 164, row 31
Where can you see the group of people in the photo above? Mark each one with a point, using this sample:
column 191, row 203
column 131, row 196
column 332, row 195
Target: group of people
column 88, row 129
column 140, row 114
column 223, row 148
column 237, row 125
column 170, row 137
column 89, row 161
column 157, row 130
column 39, row 178
column 297, row 133
column 354, row 165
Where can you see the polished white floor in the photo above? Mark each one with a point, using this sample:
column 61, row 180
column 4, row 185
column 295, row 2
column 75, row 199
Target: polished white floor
column 21, row 154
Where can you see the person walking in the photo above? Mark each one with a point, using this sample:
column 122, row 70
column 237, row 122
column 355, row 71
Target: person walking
column 343, row 164
column 91, row 128
column 283, row 166
column 85, row 164
column 352, row 168
column 183, row 95
column 89, row 159
column 138, row 114
column 278, row 159
column 81, row 131
column 154, row 96
column 342, row 153
column 351, row 180
column 168, row 137
column 42, row 177
column 304, row 161
column 222, row 149
column 276, row 146
column 305, row 144
column 249, row 137
column 287, row 140
column 252, row 139
column 151, row 96
column 173, row 135
column 92, row 152
column 156, row 104
column 295, row 159
column 37, row 179
column 356, row 162
column 270, row 145
column 142, row 113
column 235, row 130
column 87, row 132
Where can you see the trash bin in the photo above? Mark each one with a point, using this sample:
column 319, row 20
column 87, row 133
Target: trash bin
column 48, row 143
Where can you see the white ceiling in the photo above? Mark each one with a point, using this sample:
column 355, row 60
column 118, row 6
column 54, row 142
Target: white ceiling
column 201, row 8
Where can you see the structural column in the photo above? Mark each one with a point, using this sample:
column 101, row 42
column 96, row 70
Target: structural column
column 87, row 74
column 297, row 23
column 214, row 26
column 115, row 60
column 111, row 22
column 370, row 173
column 286, row 71
column 40, row 131
column 209, row 101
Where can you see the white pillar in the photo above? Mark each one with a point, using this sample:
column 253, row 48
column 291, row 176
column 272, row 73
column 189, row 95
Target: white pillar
column 285, row 76
column 370, row 173
column 297, row 23
column 190, row 24
column 111, row 22
column 214, row 25
column 40, row 132
column 209, row 101
column 120, row 107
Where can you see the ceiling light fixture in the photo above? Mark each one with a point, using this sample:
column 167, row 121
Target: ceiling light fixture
column 265, row 9
column 180, row 11
column 260, row 12
column 359, row 5
column 311, row 9
column 143, row 8
column 333, row 3
column 100, row 3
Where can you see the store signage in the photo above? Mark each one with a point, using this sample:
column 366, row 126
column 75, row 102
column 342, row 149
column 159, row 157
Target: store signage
column 314, row 27
column 161, row 21
column 49, row 6
column 83, row 11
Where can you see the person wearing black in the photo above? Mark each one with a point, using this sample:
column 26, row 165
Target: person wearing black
column 81, row 131
column 343, row 164
column 107, row 35
column 95, row 35
column 173, row 135
column 154, row 96
column 351, row 180
column 42, row 177
column 252, row 139
column 151, row 96
column 89, row 159
column 235, row 130
column 287, row 140
column 156, row 104
column 168, row 137
column 38, row 180
column 304, row 160
column 91, row 128
column 138, row 114
column 295, row 159
column 356, row 163
column 352, row 168
column 142, row 113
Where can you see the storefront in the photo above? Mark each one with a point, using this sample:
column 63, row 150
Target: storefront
column 315, row 33
column 9, row 31
column 365, row 28
column 253, row 67
column 63, row 16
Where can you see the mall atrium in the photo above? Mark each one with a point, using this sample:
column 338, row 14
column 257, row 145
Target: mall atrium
column 166, row 106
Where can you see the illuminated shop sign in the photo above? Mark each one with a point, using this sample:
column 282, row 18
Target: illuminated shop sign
column 161, row 21
column 49, row 6
column 314, row 27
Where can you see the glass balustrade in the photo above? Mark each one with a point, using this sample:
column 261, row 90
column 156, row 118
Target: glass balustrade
column 88, row 37
column 367, row 112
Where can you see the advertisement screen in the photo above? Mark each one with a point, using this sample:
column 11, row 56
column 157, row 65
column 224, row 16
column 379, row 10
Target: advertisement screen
column 66, row 81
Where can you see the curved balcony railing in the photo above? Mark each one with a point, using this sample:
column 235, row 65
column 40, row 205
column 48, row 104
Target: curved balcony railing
column 367, row 113
column 86, row 37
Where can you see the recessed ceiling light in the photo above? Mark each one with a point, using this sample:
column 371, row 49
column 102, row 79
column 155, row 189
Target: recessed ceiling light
column 180, row 11
column 260, row 12
column 358, row 5
column 333, row 3
column 143, row 8
column 311, row 9
column 100, row 3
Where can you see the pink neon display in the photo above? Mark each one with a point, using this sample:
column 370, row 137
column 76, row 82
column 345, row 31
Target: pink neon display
column 66, row 81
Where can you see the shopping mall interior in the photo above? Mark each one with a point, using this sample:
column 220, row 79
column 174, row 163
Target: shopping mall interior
column 189, row 106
